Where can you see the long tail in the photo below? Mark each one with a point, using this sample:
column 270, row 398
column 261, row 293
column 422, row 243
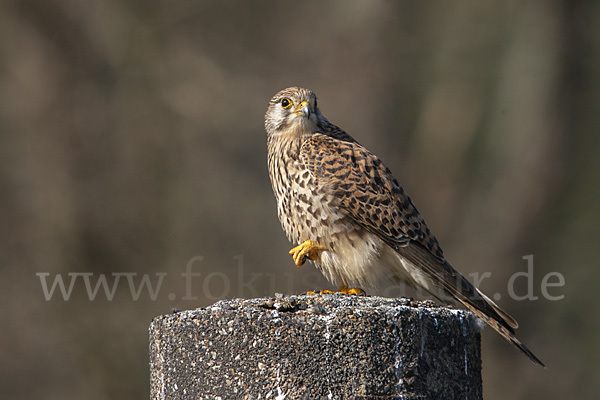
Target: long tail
column 457, row 287
column 501, row 326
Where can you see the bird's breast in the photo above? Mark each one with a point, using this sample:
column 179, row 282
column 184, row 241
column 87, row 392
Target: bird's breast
column 309, row 210
column 306, row 208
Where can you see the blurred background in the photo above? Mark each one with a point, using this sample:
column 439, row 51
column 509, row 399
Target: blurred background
column 132, row 150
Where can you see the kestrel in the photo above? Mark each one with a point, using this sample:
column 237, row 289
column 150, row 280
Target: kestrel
column 346, row 212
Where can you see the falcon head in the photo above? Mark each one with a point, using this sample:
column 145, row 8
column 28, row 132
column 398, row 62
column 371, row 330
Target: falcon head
column 293, row 111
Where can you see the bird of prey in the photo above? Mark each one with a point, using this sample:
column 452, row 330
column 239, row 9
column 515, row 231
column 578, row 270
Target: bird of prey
column 345, row 211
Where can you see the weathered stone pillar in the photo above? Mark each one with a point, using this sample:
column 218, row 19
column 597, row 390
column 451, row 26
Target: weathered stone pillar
column 316, row 347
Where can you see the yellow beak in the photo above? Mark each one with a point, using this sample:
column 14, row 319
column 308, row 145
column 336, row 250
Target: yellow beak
column 303, row 109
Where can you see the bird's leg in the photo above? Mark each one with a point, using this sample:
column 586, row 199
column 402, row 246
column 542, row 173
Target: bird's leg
column 307, row 249
column 343, row 289
column 357, row 291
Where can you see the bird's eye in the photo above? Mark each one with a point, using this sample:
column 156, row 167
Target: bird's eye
column 286, row 103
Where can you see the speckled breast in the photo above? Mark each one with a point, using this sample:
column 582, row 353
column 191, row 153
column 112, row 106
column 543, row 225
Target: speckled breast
column 305, row 209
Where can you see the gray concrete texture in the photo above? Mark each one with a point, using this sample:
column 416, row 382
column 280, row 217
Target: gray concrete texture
column 331, row 346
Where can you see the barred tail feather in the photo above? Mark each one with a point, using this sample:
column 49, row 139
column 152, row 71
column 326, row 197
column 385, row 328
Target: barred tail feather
column 506, row 331
column 454, row 286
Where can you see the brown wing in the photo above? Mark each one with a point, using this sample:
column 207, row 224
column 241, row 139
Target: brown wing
column 367, row 191
column 371, row 196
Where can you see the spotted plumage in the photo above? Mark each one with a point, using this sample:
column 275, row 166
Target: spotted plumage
column 343, row 208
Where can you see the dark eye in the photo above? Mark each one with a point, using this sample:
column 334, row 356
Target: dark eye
column 286, row 103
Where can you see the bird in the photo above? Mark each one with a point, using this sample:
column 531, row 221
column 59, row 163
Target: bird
column 344, row 210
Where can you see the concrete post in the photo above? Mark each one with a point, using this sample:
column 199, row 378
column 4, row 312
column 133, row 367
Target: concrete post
column 316, row 347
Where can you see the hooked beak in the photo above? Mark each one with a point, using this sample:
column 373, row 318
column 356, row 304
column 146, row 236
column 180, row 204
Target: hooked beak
column 303, row 109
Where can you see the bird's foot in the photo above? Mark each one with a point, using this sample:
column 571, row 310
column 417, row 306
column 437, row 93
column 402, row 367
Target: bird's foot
column 343, row 289
column 308, row 249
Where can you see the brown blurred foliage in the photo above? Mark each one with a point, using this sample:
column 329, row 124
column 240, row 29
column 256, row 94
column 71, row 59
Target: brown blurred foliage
column 132, row 140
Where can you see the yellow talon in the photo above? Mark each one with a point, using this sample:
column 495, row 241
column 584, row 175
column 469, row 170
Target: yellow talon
column 343, row 289
column 356, row 291
column 307, row 249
